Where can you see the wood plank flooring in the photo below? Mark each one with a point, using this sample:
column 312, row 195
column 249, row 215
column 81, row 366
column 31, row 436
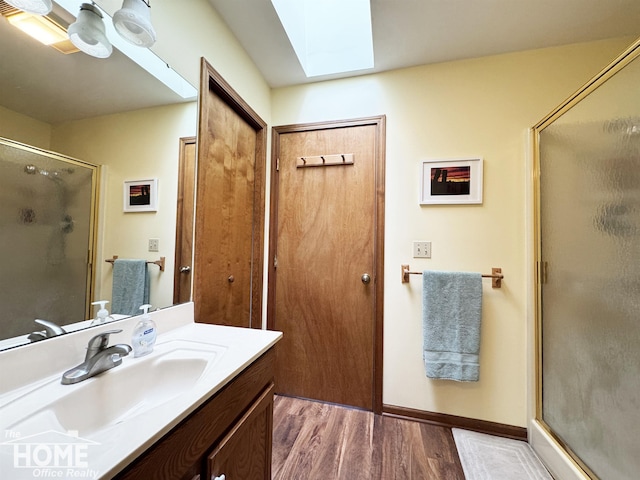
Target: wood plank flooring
column 319, row 441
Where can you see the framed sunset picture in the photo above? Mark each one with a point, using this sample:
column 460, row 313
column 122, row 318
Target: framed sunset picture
column 455, row 181
column 141, row 195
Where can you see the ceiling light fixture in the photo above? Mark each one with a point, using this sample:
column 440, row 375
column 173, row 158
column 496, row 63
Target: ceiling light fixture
column 41, row 28
column 133, row 23
column 144, row 57
column 88, row 32
column 37, row 7
column 48, row 29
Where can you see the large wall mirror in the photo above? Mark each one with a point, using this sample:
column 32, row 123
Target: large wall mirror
column 108, row 113
column 588, row 202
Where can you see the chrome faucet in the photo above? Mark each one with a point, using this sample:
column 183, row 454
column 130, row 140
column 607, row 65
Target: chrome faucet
column 50, row 330
column 99, row 358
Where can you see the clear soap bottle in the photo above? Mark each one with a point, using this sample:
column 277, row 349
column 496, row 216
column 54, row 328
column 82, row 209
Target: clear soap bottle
column 144, row 334
column 103, row 314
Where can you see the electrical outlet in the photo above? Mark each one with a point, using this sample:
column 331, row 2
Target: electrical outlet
column 154, row 244
column 421, row 249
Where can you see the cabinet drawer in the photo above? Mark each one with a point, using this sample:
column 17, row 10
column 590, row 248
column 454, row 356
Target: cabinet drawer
column 245, row 452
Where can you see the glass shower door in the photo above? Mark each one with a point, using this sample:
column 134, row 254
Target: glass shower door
column 589, row 200
column 46, row 238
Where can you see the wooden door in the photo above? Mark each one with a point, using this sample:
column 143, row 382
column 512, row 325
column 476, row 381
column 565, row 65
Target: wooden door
column 326, row 238
column 228, row 257
column 184, row 220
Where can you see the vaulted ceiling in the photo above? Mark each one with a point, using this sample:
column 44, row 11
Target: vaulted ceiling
column 405, row 33
column 416, row 32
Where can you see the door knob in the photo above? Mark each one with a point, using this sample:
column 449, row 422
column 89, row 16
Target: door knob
column 185, row 269
column 366, row 278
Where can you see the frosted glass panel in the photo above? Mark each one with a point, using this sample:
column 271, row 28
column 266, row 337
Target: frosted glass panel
column 590, row 237
column 45, row 232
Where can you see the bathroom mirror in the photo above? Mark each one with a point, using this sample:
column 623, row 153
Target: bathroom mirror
column 46, row 95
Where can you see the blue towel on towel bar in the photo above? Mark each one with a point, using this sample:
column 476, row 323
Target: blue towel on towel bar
column 451, row 314
column 130, row 286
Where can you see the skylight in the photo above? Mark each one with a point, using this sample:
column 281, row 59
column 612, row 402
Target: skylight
column 328, row 36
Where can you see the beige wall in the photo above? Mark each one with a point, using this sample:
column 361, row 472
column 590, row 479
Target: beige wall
column 23, row 129
column 480, row 107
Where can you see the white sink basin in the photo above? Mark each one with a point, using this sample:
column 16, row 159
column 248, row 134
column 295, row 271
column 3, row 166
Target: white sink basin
column 136, row 386
column 120, row 413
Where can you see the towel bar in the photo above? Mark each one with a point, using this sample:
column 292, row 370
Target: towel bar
column 496, row 276
column 160, row 262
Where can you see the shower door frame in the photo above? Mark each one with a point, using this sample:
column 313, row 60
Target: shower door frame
column 93, row 218
column 550, row 448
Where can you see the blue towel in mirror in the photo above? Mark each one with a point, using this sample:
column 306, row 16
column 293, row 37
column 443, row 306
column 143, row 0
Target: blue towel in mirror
column 130, row 286
column 452, row 312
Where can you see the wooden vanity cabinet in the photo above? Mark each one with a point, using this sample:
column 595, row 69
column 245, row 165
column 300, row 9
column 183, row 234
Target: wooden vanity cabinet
column 230, row 434
column 245, row 452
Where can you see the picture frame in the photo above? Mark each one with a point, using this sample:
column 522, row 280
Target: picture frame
column 141, row 195
column 451, row 181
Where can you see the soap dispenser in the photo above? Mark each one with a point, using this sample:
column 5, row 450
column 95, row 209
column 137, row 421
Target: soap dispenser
column 103, row 314
column 144, row 334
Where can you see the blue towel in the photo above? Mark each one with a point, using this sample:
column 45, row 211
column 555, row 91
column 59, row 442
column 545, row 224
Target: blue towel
column 451, row 314
column 130, row 286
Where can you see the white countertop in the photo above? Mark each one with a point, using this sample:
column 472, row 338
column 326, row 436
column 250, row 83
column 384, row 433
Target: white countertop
column 31, row 431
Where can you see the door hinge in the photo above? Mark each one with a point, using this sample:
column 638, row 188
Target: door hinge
column 542, row 270
column 275, row 262
column 277, row 164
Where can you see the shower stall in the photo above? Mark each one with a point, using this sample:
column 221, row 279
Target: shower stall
column 47, row 217
column 588, row 289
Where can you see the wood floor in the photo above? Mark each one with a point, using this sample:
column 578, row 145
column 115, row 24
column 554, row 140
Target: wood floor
column 318, row 441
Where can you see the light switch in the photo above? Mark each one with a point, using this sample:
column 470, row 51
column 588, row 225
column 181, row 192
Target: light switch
column 421, row 249
column 154, row 244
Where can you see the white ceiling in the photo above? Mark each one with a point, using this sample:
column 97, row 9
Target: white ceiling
column 417, row 32
column 53, row 87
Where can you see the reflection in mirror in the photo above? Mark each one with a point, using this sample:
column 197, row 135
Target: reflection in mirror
column 103, row 112
column 46, row 229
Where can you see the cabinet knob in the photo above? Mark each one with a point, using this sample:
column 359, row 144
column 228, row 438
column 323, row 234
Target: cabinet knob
column 221, row 477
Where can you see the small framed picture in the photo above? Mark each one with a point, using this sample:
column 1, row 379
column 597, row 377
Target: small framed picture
column 141, row 195
column 455, row 181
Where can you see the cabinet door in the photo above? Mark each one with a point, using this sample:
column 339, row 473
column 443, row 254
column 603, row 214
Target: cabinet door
column 245, row 452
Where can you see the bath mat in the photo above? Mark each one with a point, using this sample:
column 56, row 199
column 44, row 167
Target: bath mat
column 487, row 457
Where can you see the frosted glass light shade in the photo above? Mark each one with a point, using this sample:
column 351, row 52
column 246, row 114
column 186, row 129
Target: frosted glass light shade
column 38, row 7
column 88, row 32
column 133, row 23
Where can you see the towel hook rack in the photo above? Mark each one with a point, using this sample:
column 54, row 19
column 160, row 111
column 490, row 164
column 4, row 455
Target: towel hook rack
column 496, row 275
column 160, row 262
